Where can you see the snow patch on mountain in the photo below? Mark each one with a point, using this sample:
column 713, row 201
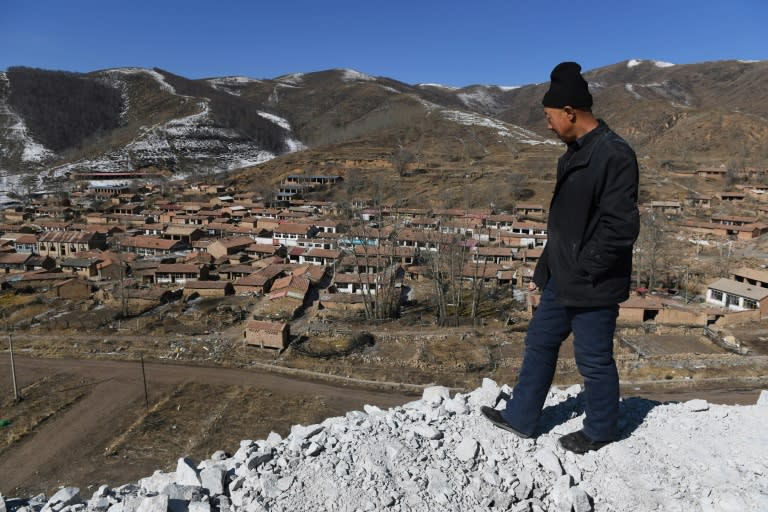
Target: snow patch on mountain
column 438, row 86
column 231, row 84
column 503, row 129
column 481, row 98
column 351, row 75
column 666, row 89
column 17, row 133
column 630, row 88
column 291, row 79
column 159, row 78
column 195, row 138
column 389, row 89
column 658, row 63
column 292, row 144
column 279, row 121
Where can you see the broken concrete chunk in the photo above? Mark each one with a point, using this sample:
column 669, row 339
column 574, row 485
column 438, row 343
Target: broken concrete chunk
column 302, row 432
column 186, row 472
column 64, row 497
column 580, row 499
column 436, row 394
column 697, row 405
column 199, row 506
column 157, row 503
column 212, row 479
column 549, row 461
column 427, row 431
column 466, row 450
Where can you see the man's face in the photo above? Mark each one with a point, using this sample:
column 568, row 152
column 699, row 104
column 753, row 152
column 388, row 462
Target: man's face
column 560, row 121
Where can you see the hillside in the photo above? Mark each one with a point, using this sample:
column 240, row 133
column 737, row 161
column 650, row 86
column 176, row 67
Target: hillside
column 342, row 120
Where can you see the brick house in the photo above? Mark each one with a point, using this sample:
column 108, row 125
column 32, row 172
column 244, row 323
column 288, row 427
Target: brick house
column 260, row 282
column 229, row 246
column 179, row 273
column 58, row 244
column 266, row 334
column 208, row 288
column 84, row 267
column 737, row 296
column 73, row 289
column 14, row 262
column 22, row 242
column 152, row 246
column 288, row 233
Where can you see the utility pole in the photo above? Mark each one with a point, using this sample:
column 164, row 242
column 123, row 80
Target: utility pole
column 16, row 398
column 123, row 303
column 144, row 378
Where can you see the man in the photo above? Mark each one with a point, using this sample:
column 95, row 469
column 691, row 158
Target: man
column 585, row 269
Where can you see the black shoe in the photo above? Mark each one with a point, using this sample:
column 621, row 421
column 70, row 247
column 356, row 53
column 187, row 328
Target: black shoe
column 494, row 417
column 578, row 442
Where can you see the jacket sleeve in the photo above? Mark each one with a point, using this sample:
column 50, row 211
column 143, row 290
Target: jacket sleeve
column 614, row 228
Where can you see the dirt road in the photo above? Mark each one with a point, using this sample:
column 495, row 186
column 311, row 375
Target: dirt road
column 92, row 441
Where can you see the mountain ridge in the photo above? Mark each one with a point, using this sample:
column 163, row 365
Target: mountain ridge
column 691, row 114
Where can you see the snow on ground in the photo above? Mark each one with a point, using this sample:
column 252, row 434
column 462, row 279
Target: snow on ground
column 151, row 72
column 484, row 97
column 503, row 129
column 438, row 86
column 439, row 453
column 196, row 137
column 480, row 98
column 18, row 133
column 630, row 88
column 294, row 79
column 389, row 89
column 351, row 75
column 667, row 89
column 279, row 121
column 658, row 63
column 231, row 84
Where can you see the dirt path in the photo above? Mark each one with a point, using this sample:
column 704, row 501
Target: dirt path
column 64, row 449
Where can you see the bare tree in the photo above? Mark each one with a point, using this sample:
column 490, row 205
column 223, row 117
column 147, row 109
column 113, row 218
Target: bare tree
column 734, row 172
column 29, row 184
column 400, row 159
column 650, row 248
column 377, row 269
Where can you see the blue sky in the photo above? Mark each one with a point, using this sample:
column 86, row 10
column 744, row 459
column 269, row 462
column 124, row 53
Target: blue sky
column 510, row 42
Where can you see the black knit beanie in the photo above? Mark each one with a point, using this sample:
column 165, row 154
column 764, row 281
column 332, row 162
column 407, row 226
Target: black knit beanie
column 567, row 87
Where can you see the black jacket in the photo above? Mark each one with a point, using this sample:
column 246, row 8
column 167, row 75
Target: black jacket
column 593, row 222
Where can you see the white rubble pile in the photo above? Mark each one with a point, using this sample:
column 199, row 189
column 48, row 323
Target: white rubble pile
column 439, row 454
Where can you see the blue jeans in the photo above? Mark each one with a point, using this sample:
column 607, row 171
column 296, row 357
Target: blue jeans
column 593, row 330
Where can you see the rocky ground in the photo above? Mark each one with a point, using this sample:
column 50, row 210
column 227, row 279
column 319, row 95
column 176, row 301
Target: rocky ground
column 438, row 453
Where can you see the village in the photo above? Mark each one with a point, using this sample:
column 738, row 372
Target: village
column 121, row 246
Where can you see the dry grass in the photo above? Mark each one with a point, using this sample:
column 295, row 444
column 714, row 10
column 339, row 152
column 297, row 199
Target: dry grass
column 40, row 401
column 196, row 419
column 17, row 308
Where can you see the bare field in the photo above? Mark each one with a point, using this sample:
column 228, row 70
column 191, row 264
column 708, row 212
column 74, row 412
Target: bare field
column 103, row 433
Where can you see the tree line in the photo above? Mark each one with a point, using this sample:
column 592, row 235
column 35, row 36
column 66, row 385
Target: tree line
column 233, row 112
column 62, row 109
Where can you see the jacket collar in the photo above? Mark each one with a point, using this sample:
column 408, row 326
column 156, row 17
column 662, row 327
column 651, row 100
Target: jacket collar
column 581, row 150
